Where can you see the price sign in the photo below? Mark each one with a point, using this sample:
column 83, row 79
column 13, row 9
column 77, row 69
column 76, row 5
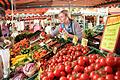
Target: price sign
column 111, row 33
column 84, row 42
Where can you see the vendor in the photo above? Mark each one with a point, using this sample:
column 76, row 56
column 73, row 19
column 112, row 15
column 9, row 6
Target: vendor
column 68, row 26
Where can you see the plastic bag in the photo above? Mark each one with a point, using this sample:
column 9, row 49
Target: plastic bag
column 5, row 55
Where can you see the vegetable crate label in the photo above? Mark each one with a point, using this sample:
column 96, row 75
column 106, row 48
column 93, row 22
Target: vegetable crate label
column 111, row 34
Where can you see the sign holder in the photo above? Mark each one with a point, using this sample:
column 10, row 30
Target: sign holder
column 111, row 36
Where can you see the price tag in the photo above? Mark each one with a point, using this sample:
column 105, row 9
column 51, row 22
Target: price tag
column 75, row 39
column 84, row 42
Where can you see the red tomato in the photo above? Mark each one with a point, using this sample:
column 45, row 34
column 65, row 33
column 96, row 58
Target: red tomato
column 117, row 73
column 90, row 68
column 103, row 62
column 94, row 56
column 110, row 61
column 63, row 78
column 91, row 61
column 43, row 34
column 68, row 76
column 72, row 78
column 95, row 77
column 117, row 77
column 41, row 76
column 57, row 73
column 109, row 77
column 45, row 78
column 86, row 59
column 81, row 62
column 108, row 69
column 78, row 53
column 97, row 61
column 74, row 63
column 77, row 68
column 61, row 67
column 92, row 74
column 97, row 66
column 50, row 75
column 78, row 75
column 68, row 69
column 63, row 73
column 84, row 76
column 101, row 78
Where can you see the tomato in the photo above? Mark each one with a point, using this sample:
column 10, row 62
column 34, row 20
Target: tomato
column 61, row 67
column 92, row 74
column 74, row 63
column 78, row 53
column 108, row 69
column 84, row 76
column 101, row 71
column 50, row 75
column 97, row 61
column 81, row 62
column 103, row 62
column 57, row 73
column 60, row 29
column 101, row 78
column 74, row 57
column 63, row 73
column 78, row 75
column 45, row 78
column 117, row 77
column 86, row 59
column 84, row 52
column 95, row 77
column 41, row 76
column 94, row 56
column 77, row 68
column 72, row 78
column 68, row 69
column 110, row 61
column 43, row 34
column 90, row 68
column 78, row 48
column 109, row 77
column 97, row 66
column 86, row 69
column 63, row 78
column 68, row 76
column 117, row 73
column 91, row 61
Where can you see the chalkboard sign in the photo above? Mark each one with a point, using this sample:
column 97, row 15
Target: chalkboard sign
column 111, row 34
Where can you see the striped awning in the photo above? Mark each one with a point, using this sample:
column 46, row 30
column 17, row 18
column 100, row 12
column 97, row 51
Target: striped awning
column 6, row 4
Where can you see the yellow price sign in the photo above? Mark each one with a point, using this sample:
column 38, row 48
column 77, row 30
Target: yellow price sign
column 84, row 42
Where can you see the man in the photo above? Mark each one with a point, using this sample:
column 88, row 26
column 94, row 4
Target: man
column 67, row 26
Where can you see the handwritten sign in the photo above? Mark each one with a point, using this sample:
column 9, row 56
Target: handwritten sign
column 111, row 32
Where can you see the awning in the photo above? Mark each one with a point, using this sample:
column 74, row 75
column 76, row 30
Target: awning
column 6, row 4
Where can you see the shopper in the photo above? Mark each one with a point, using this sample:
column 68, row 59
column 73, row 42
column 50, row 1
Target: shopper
column 69, row 26
column 2, row 38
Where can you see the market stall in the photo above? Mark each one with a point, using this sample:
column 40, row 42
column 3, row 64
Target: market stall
column 34, row 55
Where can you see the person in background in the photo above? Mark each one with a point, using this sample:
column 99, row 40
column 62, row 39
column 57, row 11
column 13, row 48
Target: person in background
column 5, row 30
column 2, row 38
column 36, row 27
column 69, row 26
column 15, row 32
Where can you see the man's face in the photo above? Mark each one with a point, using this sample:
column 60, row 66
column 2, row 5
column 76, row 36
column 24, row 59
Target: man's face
column 62, row 18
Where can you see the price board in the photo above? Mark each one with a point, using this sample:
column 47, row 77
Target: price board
column 111, row 34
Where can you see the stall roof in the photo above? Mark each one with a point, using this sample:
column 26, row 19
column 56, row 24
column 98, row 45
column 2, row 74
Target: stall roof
column 20, row 4
column 23, row 4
